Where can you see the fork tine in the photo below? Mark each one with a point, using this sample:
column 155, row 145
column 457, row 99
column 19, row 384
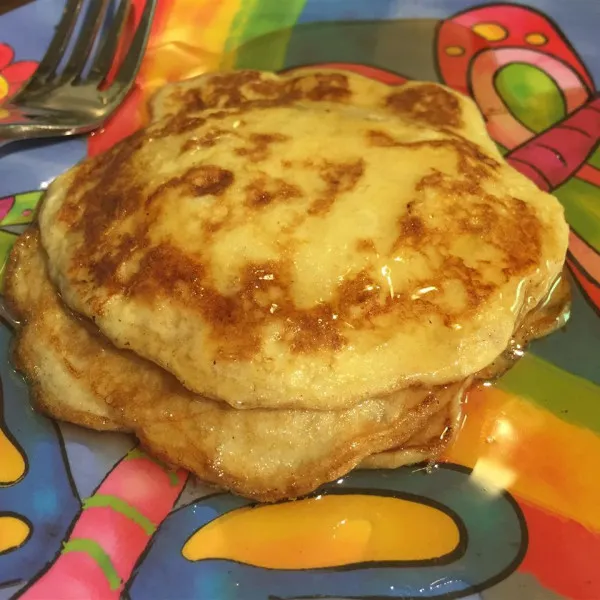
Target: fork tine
column 129, row 68
column 110, row 43
column 92, row 21
column 56, row 48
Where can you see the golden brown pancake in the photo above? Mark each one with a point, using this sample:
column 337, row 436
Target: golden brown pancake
column 427, row 444
column 307, row 241
column 77, row 375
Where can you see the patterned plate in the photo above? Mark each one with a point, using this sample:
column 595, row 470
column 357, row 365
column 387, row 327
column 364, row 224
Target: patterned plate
column 513, row 510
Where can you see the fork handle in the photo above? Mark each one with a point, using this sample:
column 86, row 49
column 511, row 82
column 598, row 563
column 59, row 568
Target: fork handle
column 19, row 127
column 5, row 142
column 10, row 135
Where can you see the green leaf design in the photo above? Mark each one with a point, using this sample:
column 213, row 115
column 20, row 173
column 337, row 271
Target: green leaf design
column 6, row 243
column 582, row 208
column 531, row 95
column 23, row 209
column 594, row 159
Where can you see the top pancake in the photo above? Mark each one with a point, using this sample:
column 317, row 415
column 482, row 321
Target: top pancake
column 307, row 240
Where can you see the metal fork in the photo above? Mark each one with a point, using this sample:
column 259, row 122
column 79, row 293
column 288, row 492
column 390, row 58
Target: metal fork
column 66, row 96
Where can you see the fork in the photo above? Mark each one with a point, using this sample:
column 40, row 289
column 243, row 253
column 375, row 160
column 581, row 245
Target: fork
column 76, row 98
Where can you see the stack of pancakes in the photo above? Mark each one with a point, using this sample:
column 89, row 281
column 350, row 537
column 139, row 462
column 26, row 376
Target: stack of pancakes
column 282, row 278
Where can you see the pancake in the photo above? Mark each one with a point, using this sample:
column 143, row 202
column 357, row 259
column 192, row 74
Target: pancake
column 427, row 444
column 308, row 240
column 76, row 374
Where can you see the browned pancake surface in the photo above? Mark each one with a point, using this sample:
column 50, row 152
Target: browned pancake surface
column 304, row 241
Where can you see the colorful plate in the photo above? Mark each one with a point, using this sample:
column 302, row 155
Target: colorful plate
column 513, row 512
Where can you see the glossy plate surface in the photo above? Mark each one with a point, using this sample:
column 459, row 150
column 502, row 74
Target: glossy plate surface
column 514, row 509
